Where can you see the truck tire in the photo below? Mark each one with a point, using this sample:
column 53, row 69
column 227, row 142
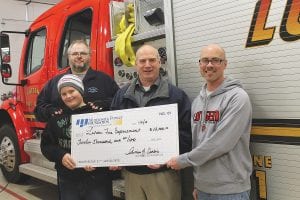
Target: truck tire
column 10, row 154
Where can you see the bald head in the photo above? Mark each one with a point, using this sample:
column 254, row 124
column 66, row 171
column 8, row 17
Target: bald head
column 216, row 48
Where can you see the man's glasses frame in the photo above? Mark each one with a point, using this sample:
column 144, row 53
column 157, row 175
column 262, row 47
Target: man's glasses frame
column 76, row 54
column 213, row 61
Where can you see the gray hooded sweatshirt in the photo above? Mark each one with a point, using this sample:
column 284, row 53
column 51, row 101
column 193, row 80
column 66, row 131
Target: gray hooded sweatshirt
column 221, row 124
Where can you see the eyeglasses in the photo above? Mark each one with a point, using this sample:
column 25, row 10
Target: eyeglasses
column 75, row 54
column 150, row 60
column 213, row 61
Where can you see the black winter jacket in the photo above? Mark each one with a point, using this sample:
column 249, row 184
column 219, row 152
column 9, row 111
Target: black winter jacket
column 56, row 142
column 166, row 94
column 97, row 87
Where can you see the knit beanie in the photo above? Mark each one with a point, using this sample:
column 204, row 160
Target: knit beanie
column 72, row 81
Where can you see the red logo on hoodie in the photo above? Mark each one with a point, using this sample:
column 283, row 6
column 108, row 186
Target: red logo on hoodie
column 212, row 116
column 197, row 116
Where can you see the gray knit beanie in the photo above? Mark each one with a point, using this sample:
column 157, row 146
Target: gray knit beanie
column 72, row 81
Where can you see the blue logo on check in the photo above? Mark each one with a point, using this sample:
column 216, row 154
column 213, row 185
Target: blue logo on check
column 82, row 122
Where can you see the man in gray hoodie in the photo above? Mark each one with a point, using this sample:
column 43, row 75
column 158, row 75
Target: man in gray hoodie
column 221, row 124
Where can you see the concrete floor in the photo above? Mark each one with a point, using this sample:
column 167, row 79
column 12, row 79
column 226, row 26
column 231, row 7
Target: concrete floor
column 32, row 189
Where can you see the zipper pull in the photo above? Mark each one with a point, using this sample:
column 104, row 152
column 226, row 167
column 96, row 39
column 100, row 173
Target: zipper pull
column 203, row 127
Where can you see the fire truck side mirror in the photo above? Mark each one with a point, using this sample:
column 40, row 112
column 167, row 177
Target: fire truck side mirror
column 6, row 70
column 5, row 48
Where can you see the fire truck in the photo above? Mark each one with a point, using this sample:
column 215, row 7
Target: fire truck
column 261, row 39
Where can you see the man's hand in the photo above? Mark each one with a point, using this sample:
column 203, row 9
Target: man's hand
column 114, row 168
column 95, row 107
column 172, row 163
column 156, row 166
column 89, row 168
column 195, row 194
column 100, row 105
column 57, row 111
column 68, row 161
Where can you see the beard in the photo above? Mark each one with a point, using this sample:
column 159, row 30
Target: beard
column 80, row 68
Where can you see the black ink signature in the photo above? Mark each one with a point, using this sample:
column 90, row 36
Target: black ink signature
column 152, row 151
column 133, row 150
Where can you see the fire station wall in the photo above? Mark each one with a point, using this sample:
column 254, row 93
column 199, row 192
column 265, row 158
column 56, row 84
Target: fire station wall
column 17, row 16
column 269, row 72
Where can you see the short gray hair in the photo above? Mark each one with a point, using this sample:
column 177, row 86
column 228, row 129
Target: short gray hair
column 78, row 42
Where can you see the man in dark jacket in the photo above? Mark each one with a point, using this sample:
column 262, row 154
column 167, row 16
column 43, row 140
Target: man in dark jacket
column 154, row 182
column 98, row 87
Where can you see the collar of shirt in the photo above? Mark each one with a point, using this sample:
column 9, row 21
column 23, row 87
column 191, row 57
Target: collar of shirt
column 138, row 85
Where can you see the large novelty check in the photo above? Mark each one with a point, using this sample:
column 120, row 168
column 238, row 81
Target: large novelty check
column 138, row 136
